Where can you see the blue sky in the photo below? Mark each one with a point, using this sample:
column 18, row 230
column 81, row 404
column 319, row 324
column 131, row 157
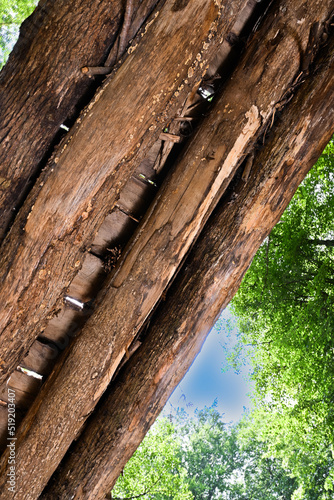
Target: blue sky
column 205, row 381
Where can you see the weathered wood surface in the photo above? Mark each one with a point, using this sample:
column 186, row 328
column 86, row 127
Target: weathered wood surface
column 206, row 283
column 42, row 85
column 65, row 324
column 14, row 413
column 135, row 198
column 82, row 183
column 87, row 282
column 183, row 205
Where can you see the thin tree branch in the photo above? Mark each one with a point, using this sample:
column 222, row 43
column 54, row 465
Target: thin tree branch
column 267, row 268
column 327, row 243
column 259, row 343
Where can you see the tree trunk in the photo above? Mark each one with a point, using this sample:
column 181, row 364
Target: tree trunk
column 206, row 283
column 55, row 228
column 42, row 85
column 263, row 83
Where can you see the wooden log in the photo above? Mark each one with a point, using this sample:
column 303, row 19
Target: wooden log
column 8, row 417
column 205, row 285
column 61, row 329
column 42, row 85
column 71, row 199
column 119, row 225
column 162, row 241
column 135, row 197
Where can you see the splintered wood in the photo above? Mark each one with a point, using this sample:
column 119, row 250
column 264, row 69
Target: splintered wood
column 205, row 285
column 85, row 177
column 32, row 118
column 96, row 245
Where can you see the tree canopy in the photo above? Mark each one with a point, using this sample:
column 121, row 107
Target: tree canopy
column 209, row 462
column 155, row 468
column 285, row 310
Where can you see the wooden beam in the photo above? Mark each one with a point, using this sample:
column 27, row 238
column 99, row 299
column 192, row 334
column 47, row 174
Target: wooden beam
column 243, row 114
column 56, row 226
column 204, row 286
column 42, row 86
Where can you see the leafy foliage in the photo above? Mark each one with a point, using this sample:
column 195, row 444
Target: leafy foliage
column 286, row 310
column 210, row 454
column 209, row 462
column 12, row 14
column 155, row 470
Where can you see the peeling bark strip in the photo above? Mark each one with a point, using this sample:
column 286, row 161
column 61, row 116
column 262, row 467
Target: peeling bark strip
column 206, row 283
column 42, row 84
column 47, row 243
column 172, row 224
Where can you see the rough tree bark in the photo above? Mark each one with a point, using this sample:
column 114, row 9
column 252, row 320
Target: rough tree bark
column 207, row 166
column 50, row 237
column 206, row 283
column 42, row 85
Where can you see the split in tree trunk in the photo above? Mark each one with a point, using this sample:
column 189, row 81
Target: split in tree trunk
column 174, row 220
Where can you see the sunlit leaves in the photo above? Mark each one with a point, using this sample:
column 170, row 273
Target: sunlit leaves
column 286, row 310
column 218, row 463
column 155, row 470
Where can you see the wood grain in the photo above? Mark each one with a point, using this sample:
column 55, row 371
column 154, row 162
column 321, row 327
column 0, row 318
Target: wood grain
column 162, row 241
column 204, row 286
column 42, row 85
column 41, row 358
column 25, row 386
column 59, row 221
